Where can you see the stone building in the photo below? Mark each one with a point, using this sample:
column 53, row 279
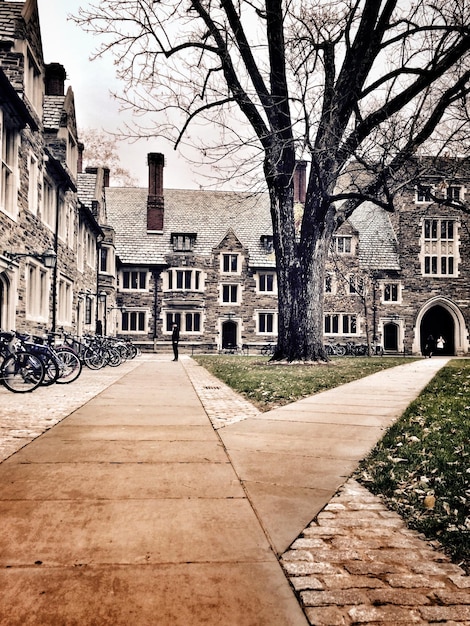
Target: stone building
column 48, row 238
column 79, row 254
column 205, row 260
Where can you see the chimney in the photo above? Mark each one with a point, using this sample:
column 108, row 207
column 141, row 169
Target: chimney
column 55, row 79
column 155, row 201
column 81, row 149
column 106, row 173
column 300, row 181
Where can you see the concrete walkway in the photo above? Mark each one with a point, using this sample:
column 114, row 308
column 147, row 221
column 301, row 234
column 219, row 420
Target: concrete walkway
column 134, row 509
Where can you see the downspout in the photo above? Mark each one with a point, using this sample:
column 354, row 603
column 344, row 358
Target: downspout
column 156, row 277
column 56, row 250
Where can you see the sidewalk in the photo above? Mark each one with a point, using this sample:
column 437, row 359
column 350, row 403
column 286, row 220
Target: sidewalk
column 136, row 509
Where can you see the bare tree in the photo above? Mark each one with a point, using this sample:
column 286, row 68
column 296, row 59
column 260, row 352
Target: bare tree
column 334, row 81
column 101, row 150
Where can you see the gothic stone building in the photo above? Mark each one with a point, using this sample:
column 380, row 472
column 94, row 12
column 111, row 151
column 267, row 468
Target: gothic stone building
column 40, row 208
column 205, row 260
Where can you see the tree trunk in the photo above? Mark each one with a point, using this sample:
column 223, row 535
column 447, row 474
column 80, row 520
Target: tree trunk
column 301, row 272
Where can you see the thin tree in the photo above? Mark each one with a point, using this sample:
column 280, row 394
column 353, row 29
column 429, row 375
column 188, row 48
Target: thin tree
column 101, row 150
column 334, row 81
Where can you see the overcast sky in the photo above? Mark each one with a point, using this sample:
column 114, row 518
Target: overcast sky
column 64, row 42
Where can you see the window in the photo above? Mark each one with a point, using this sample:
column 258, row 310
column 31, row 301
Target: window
column 183, row 242
column 188, row 322
column 33, row 82
column 81, row 246
column 66, row 222
column 230, row 294
column 423, row 193
column 329, row 284
column 33, row 184
column 230, row 264
column 8, row 164
column 356, row 285
column 37, row 292
column 266, row 282
column 88, row 311
column 391, row 292
column 340, row 324
column 104, row 255
column 134, row 280
column 267, row 243
column 342, row 245
column 439, row 247
column 133, row 321
column 267, row 323
column 48, row 204
column 64, row 302
column 90, row 249
column 454, row 193
column 184, row 280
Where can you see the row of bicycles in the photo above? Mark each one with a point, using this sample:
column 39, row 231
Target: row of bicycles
column 350, row 348
column 28, row 361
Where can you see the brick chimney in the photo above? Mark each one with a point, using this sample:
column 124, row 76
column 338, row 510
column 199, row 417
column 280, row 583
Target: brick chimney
column 55, row 79
column 155, row 201
column 300, row 181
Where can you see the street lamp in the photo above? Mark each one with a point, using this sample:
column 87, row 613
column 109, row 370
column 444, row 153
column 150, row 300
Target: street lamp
column 48, row 257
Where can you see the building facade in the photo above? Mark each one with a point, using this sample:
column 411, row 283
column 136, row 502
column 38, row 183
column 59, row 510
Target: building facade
column 79, row 254
column 205, row 261
column 49, row 238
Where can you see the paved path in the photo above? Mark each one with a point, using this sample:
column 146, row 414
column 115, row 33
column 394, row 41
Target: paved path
column 137, row 509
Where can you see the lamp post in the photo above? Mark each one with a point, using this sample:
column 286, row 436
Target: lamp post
column 48, row 257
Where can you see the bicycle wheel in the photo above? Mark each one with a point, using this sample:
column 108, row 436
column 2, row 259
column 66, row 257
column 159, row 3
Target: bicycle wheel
column 22, row 372
column 51, row 369
column 340, row 350
column 93, row 359
column 113, row 358
column 70, row 368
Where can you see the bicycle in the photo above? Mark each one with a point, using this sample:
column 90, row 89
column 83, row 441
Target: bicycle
column 268, row 349
column 61, row 364
column 335, row 349
column 20, row 371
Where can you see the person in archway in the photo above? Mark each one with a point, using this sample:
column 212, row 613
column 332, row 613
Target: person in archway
column 440, row 343
column 429, row 347
column 175, row 337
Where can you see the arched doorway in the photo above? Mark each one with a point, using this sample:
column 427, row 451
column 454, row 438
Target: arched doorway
column 391, row 337
column 438, row 321
column 229, row 335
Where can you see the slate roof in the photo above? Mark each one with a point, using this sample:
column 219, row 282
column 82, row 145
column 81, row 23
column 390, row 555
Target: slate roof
column 210, row 214
column 378, row 248
column 52, row 111
column 9, row 12
column 86, row 189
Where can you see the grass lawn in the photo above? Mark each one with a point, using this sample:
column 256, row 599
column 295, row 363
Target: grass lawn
column 422, row 465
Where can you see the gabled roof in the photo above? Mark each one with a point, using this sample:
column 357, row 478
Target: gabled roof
column 378, row 247
column 208, row 213
column 211, row 214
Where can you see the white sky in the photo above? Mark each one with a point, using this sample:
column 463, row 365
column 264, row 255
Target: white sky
column 64, row 42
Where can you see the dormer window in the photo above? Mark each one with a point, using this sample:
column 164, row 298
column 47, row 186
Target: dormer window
column 342, row 245
column 454, row 193
column 423, row 193
column 183, row 242
column 267, row 243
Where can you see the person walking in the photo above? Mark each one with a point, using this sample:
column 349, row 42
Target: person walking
column 175, row 337
column 440, row 343
column 429, row 346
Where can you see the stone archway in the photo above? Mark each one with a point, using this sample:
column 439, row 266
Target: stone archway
column 438, row 321
column 441, row 317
